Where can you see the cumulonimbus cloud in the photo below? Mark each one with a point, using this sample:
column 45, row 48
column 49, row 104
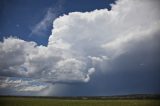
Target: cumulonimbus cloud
column 81, row 43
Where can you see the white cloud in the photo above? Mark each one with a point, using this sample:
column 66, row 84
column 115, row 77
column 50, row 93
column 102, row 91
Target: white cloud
column 32, row 88
column 22, row 85
column 44, row 23
column 81, row 43
column 52, row 12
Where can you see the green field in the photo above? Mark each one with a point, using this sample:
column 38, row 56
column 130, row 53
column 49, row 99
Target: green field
column 12, row 101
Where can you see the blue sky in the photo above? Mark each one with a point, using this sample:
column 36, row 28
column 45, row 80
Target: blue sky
column 79, row 47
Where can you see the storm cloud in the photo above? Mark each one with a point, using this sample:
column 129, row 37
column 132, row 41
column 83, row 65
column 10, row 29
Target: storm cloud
column 85, row 43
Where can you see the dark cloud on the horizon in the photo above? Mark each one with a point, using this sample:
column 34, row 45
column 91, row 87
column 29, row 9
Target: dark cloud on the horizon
column 132, row 73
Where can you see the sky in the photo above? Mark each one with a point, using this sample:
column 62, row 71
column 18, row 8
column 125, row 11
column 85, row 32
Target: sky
column 79, row 47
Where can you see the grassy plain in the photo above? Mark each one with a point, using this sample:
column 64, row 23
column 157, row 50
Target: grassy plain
column 17, row 101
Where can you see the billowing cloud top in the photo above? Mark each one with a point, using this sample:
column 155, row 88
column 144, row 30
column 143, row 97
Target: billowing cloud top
column 82, row 43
